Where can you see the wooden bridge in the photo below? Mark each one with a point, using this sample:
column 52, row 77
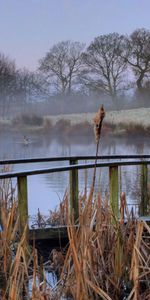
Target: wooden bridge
column 112, row 162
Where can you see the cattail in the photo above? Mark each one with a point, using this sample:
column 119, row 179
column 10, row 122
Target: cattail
column 98, row 119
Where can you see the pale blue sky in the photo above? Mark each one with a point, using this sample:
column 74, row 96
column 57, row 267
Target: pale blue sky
column 28, row 28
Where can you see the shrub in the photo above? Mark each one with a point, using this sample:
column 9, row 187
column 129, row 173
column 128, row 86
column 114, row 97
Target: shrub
column 47, row 124
column 62, row 126
column 27, row 119
column 82, row 129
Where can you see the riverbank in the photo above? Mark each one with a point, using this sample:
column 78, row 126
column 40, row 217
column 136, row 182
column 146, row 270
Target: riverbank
column 139, row 116
column 116, row 122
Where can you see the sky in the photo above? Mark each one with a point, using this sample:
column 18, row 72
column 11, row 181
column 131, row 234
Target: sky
column 29, row 28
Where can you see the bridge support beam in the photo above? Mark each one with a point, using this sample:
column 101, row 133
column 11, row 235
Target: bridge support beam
column 22, row 202
column 113, row 185
column 144, row 191
column 74, row 205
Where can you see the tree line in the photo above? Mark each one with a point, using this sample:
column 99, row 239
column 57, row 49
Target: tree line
column 110, row 66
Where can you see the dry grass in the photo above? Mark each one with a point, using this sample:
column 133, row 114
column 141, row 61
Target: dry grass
column 56, row 217
column 17, row 259
column 106, row 259
column 60, row 215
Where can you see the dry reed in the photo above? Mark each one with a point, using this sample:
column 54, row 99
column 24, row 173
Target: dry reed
column 104, row 260
column 98, row 121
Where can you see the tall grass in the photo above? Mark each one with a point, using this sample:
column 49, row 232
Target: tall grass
column 106, row 258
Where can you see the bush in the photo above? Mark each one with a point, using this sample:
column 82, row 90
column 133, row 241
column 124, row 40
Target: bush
column 82, row 129
column 47, row 124
column 26, row 119
column 62, row 126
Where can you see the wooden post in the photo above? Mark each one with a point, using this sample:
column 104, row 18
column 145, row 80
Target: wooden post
column 22, row 201
column 74, row 205
column 144, row 192
column 113, row 182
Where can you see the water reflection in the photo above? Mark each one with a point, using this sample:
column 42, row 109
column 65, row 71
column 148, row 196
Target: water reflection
column 46, row 191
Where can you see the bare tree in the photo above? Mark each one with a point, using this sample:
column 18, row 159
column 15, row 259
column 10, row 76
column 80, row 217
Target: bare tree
column 30, row 86
column 105, row 65
column 139, row 55
column 7, row 82
column 62, row 65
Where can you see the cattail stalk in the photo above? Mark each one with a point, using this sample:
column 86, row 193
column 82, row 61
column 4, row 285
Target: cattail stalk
column 98, row 120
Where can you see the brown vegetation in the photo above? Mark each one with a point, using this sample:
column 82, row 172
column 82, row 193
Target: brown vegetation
column 28, row 120
column 107, row 258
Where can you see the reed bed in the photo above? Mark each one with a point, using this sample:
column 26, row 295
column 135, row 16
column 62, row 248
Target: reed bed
column 56, row 217
column 107, row 258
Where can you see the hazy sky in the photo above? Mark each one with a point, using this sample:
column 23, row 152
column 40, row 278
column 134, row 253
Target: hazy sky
column 28, row 28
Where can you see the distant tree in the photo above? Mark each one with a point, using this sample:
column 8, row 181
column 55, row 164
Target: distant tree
column 105, row 65
column 30, row 86
column 7, row 82
column 144, row 99
column 139, row 55
column 61, row 66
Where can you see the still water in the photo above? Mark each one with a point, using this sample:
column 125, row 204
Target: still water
column 46, row 191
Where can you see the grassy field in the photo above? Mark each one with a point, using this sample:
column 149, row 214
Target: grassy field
column 116, row 122
column 140, row 116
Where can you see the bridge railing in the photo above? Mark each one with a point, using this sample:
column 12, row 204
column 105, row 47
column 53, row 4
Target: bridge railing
column 68, row 158
column 115, row 161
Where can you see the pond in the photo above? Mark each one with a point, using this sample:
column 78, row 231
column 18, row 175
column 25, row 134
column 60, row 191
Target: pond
column 46, row 191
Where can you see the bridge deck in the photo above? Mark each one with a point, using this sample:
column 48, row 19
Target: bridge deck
column 113, row 163
column 52, row 233
column 60, row 232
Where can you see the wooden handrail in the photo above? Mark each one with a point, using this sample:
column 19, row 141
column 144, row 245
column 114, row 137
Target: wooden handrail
column 4, row 175
column 68, row 158
column 143, row 160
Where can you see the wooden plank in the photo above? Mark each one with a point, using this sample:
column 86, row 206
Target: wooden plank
column 71, row 167
column 52, row 233
column 65, row 158
column 113, row 184
column 22, row 202
column 60, row 232
column 74, row 205
column 144, row 191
